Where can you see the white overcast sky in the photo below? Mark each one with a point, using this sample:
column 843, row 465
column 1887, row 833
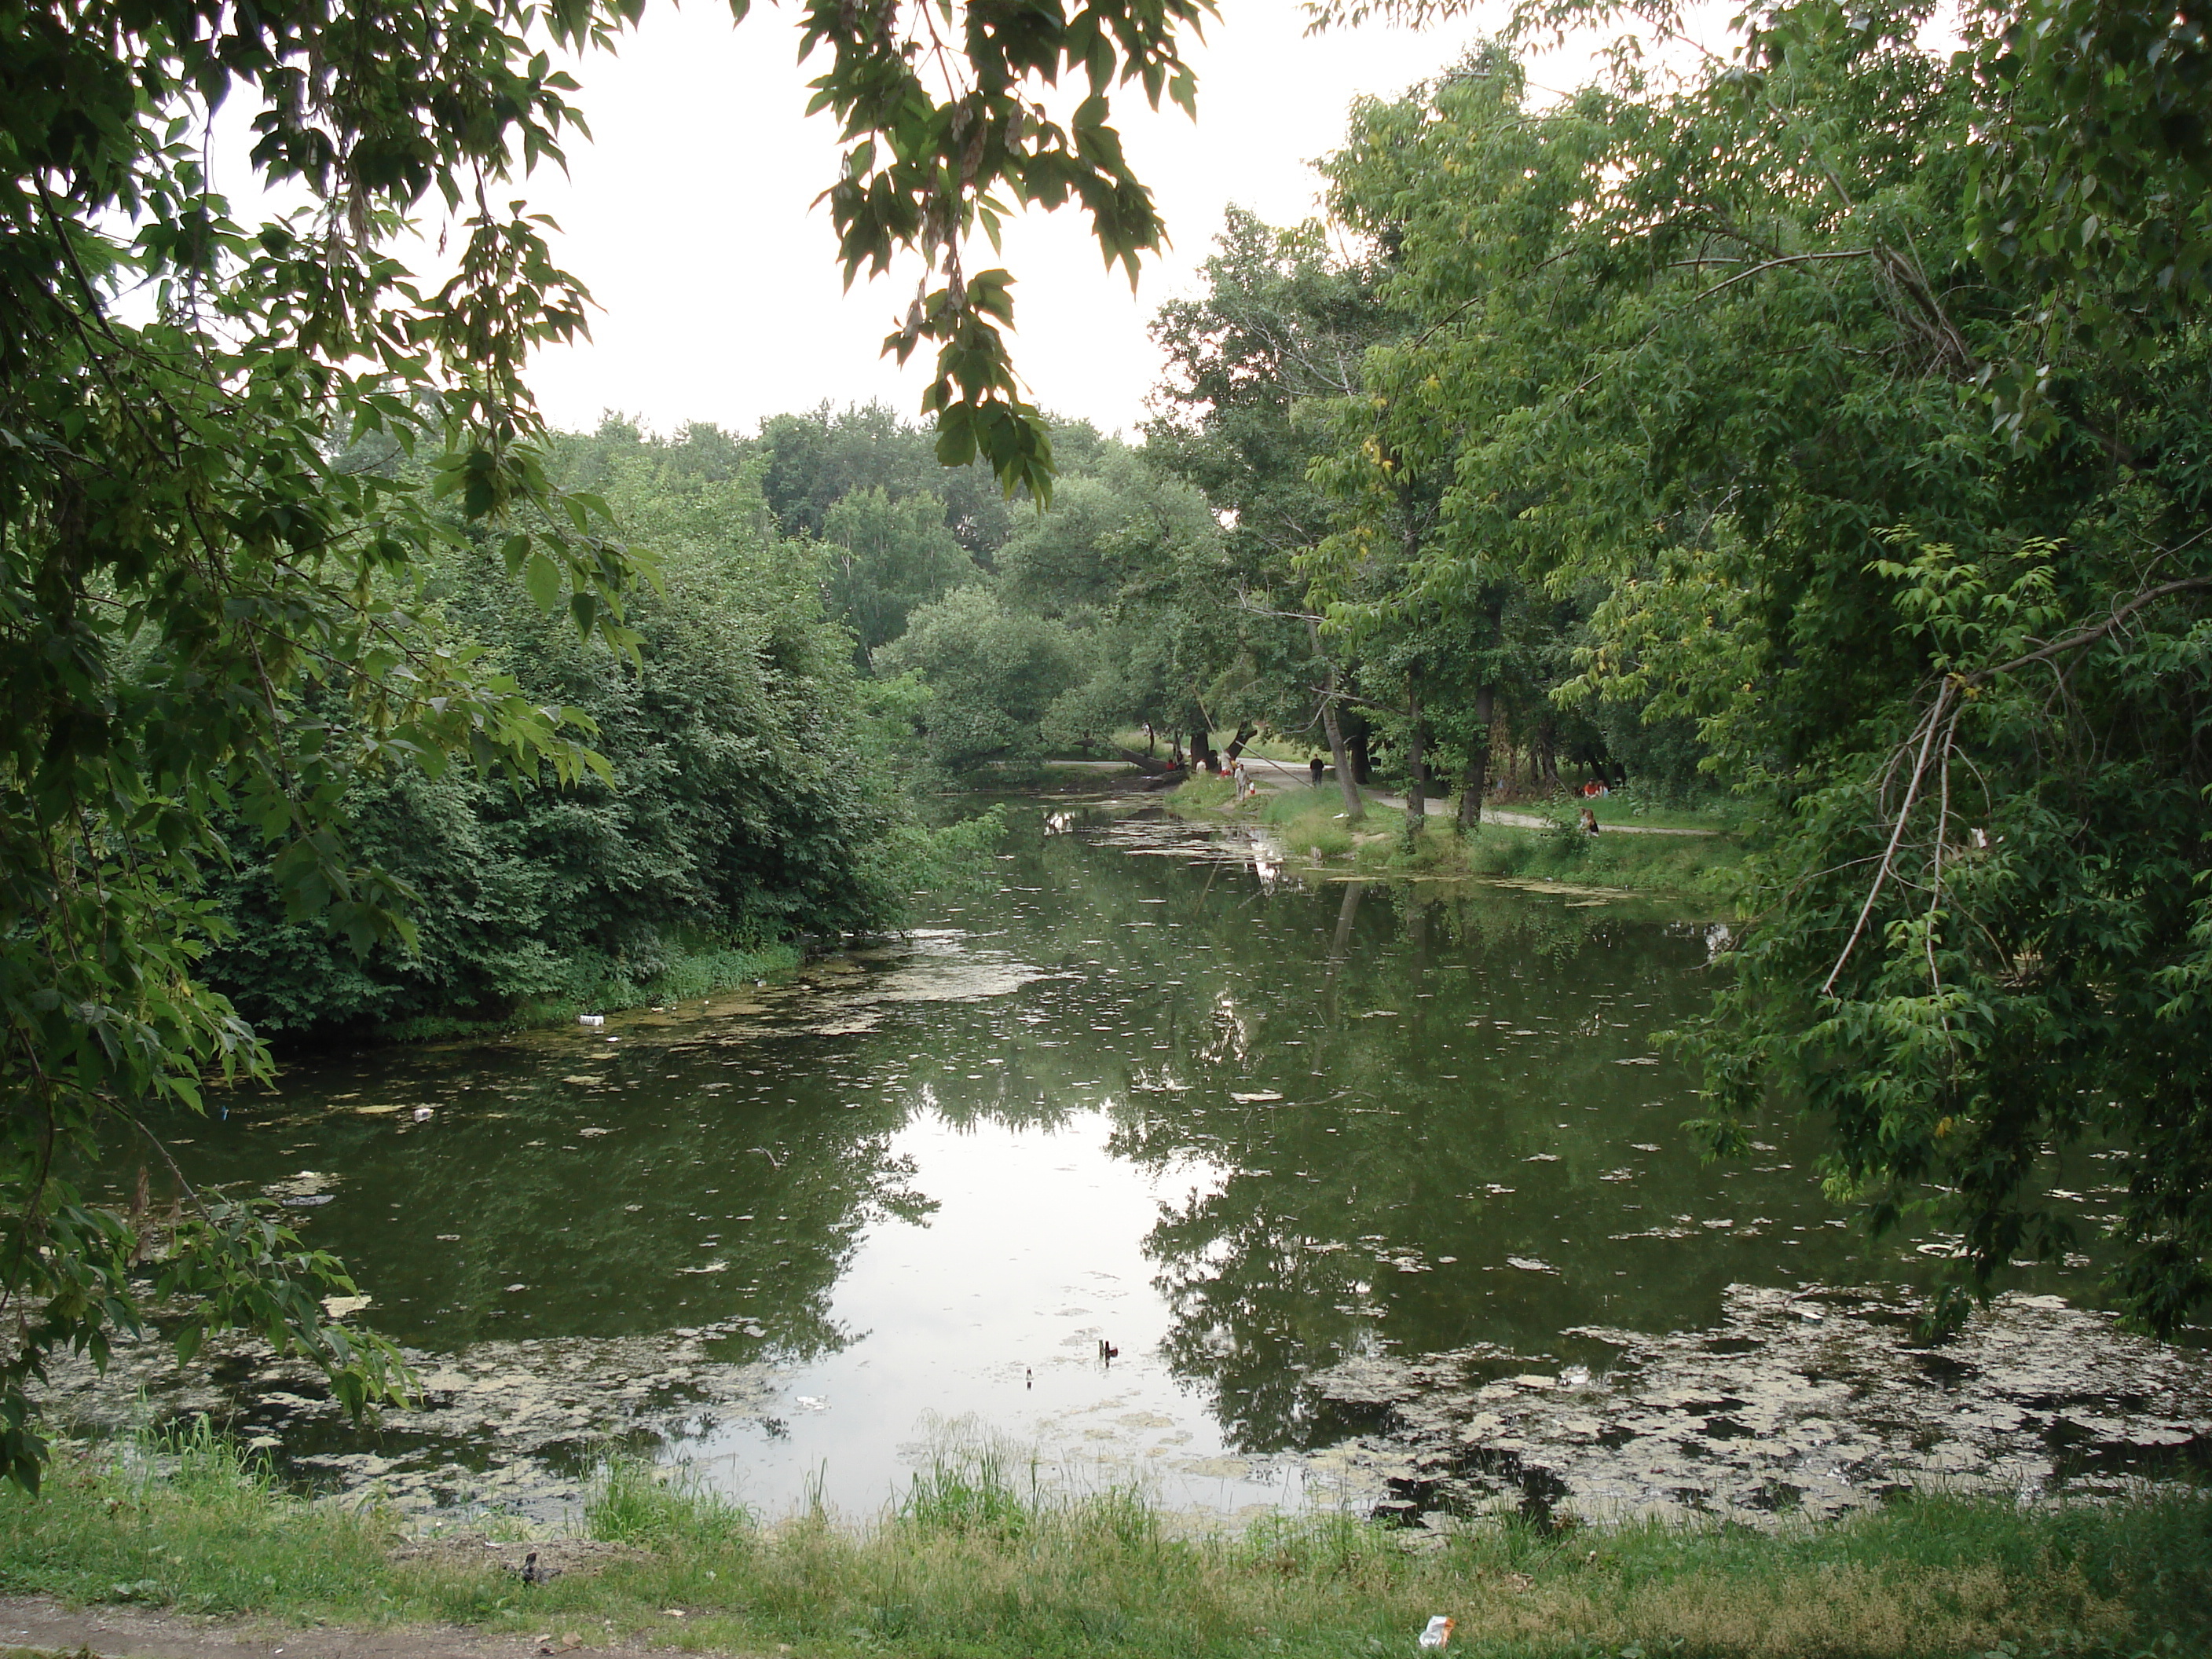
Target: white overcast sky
column 689, row 217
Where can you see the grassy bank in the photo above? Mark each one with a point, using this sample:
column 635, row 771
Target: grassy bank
column 1312, row 828
column 596, row 984
column 972, row 1564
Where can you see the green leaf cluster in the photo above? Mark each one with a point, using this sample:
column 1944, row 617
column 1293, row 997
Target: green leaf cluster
column 1729, row 364
column 743, row 802
column 253, row 476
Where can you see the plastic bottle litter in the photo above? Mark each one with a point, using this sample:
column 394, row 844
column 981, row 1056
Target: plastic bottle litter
column 424, row 1113
column 1438, row 1632
column 591, row 1019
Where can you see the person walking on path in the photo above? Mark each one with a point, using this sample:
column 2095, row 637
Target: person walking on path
column 1315, row 767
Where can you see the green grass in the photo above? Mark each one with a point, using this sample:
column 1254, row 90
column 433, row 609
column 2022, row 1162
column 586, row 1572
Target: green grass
column 599, row 985
column 1624, row 807
column 1700, row 866
column 981, row 1562
column 1313, row 828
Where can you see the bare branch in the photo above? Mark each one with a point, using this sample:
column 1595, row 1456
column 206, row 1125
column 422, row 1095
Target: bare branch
column 1929, row 725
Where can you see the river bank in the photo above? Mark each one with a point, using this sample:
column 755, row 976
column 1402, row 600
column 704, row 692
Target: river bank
column 1366, row 1182
column 1309, row 824
column 599, row 985
column 973, row 1561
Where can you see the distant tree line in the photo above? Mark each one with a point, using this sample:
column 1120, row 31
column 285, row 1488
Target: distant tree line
column 751, row 792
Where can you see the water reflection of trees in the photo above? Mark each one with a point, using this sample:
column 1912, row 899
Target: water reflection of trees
column 1386, row 1111
column 701, row 1203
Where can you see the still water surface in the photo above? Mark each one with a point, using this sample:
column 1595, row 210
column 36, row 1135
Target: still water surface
column 1148, row 1092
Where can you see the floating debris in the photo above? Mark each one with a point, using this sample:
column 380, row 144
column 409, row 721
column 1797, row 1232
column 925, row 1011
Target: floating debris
column 504, row 1423
column 1815, row 1401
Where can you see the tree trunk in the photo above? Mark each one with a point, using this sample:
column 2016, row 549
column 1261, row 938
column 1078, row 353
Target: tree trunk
column 1355, row 807
column 1201, row 752
column 1363, row 759
column 1348, row 914
column 1478, row 762
column 1245, row 732
column 1417, row 769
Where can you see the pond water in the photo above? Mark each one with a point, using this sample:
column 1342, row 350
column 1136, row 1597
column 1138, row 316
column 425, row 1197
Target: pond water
column 1144, row 1090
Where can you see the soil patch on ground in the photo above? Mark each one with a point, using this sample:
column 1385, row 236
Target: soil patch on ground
column 32, row 1626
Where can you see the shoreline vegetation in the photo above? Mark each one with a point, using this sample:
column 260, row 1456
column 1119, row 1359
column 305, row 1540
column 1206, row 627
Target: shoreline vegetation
column 1698, row 866
column 1310, row 825
column 979, row 1559
column 602, row 987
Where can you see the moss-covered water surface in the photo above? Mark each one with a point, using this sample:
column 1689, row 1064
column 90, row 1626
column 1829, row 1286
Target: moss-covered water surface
column 1140, row 1092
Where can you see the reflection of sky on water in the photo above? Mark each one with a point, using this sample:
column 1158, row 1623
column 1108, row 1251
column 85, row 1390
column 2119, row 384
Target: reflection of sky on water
column 992, row 1310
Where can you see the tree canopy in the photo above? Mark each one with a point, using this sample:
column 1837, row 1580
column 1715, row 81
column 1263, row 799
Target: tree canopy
column 1845, row 390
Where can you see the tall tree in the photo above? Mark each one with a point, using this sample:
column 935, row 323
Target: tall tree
column 885, row 557
column 1742, row 355
column 1280, row 322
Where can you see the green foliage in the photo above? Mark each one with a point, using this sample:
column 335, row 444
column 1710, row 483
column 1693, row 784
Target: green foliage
column 1130, row 559
column 227, row 502
column 1281, row 323
column 205, row 614
column 812, row 461
column 993, row 673
column 1083, row 1574
column 2095, row 198
column 1725, row 367
column 1110, row 609
column 190, row 1521
column 636, row 1503
column 885, row 558
column 968, row 1491
column 1339, row 596
column 745, row 803
column 925, row 169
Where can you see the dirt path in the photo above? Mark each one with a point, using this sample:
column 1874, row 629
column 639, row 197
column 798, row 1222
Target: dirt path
column 46, row 1628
